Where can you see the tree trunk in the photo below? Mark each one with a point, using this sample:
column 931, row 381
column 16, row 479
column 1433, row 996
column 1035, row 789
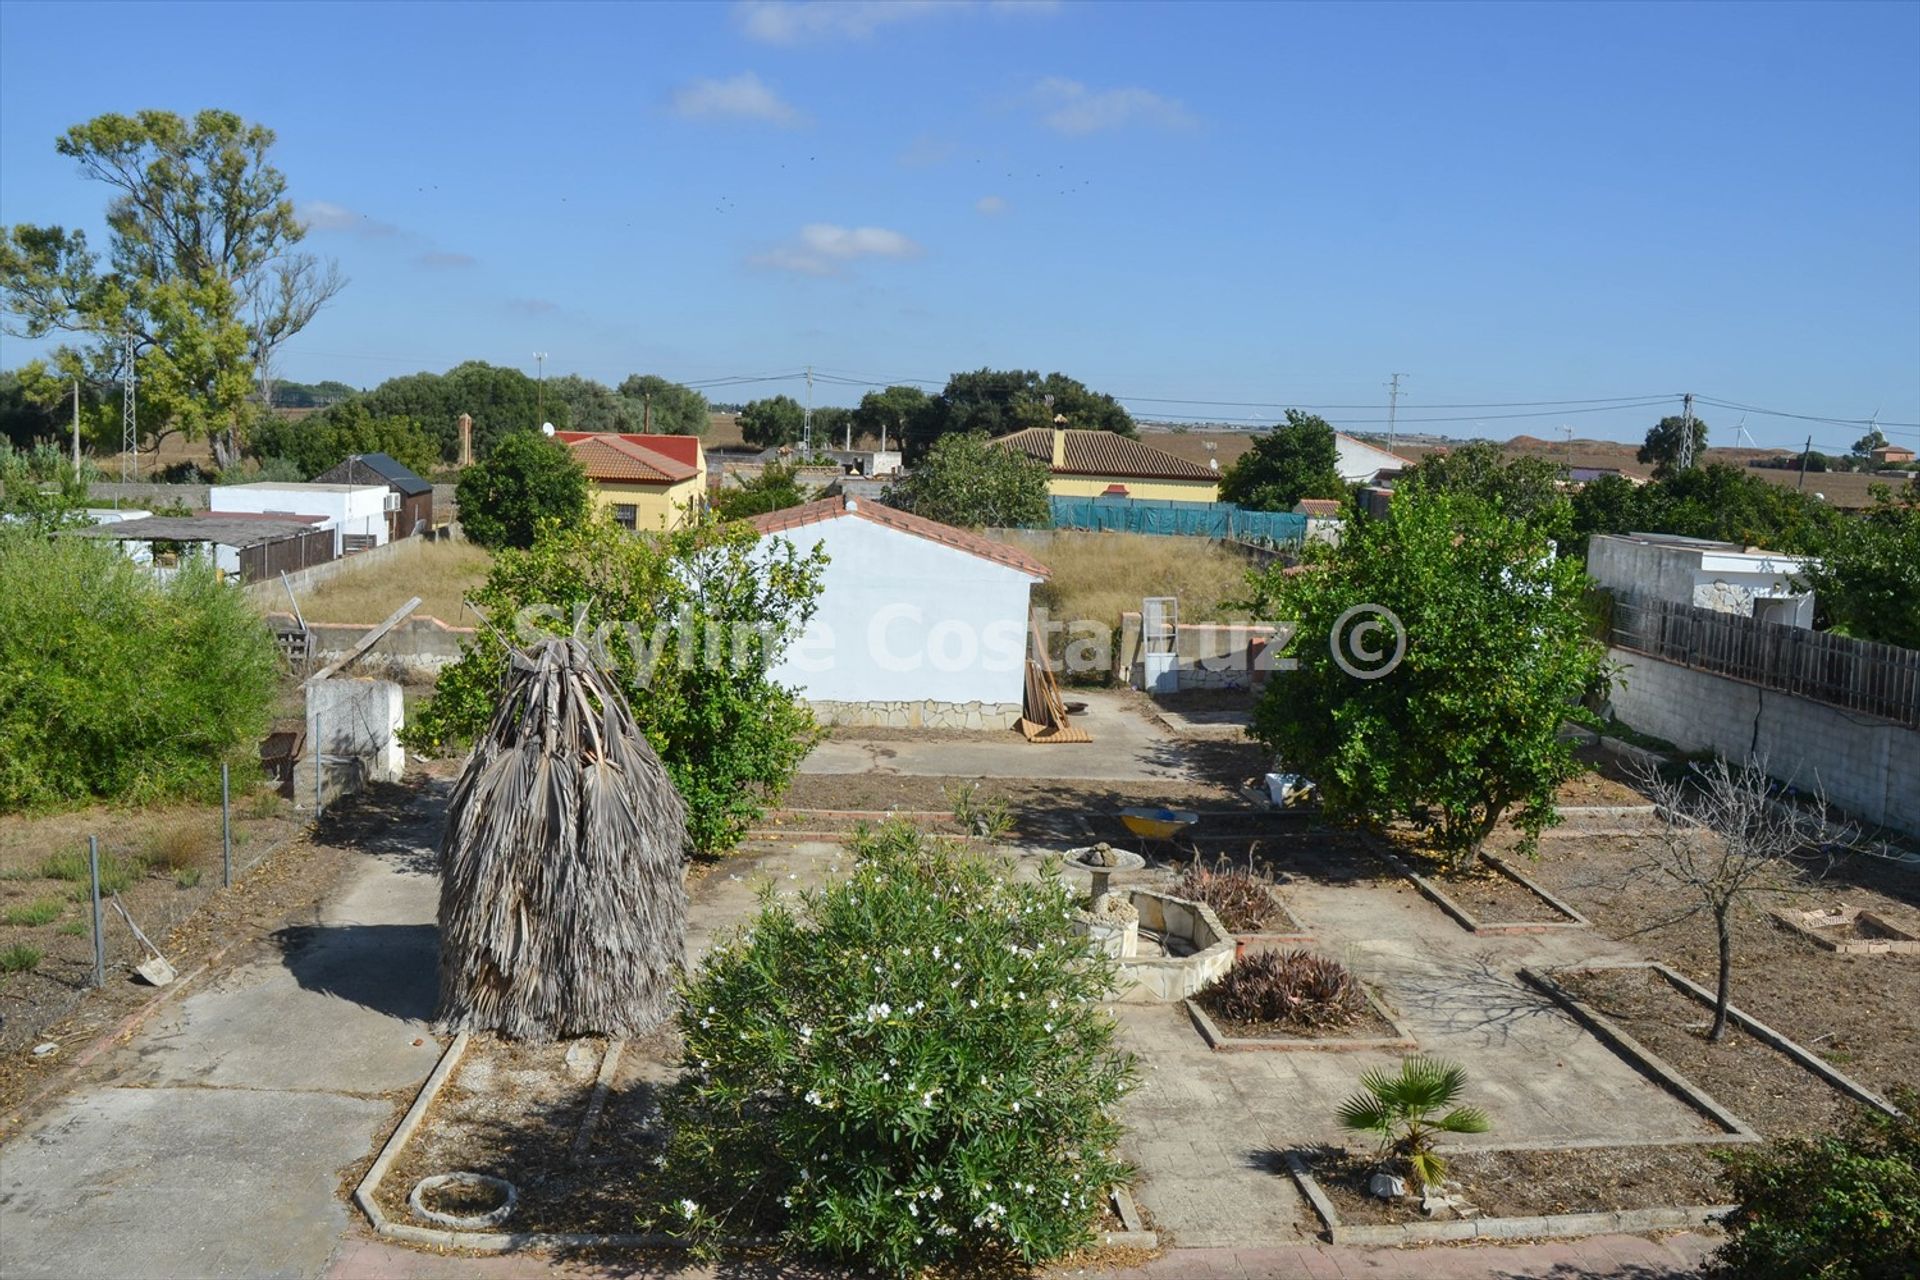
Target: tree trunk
column 1723, row 991
column 226, row 450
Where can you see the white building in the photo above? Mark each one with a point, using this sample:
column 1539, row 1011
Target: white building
column 919, row 624
column 1723, row 576
column 357, row 513
column 1360, row 462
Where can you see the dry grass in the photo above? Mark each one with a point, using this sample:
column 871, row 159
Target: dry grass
column 1100, row 575
column 441, row 574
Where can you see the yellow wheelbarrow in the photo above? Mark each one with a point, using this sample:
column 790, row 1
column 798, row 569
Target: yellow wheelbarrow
column 1158, row 824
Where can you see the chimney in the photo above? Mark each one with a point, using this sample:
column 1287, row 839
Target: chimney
column 1059, row 449
column 466, row 439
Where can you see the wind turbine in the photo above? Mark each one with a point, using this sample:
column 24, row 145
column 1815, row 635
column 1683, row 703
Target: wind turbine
column 1741, row 433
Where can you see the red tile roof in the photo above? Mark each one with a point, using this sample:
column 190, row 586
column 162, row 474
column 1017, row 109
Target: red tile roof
column 634, row 459
column 893, row 518
column 1318, row 506
column 1105, row 453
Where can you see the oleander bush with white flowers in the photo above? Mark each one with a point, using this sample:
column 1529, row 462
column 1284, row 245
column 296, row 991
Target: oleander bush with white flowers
column 907, row 1068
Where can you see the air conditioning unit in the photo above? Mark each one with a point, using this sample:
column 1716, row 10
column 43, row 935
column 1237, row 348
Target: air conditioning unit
column 393, row 502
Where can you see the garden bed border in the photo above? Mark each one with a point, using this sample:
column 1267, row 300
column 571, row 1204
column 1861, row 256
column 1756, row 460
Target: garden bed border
column 1220, row 1042
column 1133, row 1236
column 1267, row 938
column 1549, row 1225
column 1898, row 943
column 1493, row 928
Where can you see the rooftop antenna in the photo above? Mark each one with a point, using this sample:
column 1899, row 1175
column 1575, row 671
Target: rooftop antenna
column 540, row 392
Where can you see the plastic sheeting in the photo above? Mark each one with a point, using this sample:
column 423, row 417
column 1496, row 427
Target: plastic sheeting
column 1188, row 519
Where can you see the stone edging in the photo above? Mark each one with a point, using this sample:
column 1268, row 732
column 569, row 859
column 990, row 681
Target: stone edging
column 1466, row 919
column 1220, row 1042
column 1623, row 1221
column 1297, row 933
column 1897, row 941
column 1134, row 1236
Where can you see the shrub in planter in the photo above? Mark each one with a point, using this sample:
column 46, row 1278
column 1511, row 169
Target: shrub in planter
column 1293, row 987
column 1843, row 1207
column 1237, row 896
column 901, row 1070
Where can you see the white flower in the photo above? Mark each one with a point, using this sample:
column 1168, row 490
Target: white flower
column 1016, row 1106
column 936, row 951
column 878, row 1012
column 688, row 1208
column 813, row 1097
column 806, row 1032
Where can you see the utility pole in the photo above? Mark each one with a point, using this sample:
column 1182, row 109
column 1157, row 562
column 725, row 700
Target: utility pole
column 1569, row 431
column 129, row 425
column 646, row 412
column 1686, row 431
column 1393, row 405
column 806, row 421
column 1803, row 463
column 76, row 424
column 540, row 389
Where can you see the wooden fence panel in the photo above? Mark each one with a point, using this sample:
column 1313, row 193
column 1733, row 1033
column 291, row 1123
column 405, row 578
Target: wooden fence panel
column 1876, row 679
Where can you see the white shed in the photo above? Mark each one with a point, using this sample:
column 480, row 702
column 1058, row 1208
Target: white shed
column 919, row 624
column 357, row 513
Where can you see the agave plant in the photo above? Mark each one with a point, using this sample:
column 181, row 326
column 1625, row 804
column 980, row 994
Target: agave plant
column 1409, row 1109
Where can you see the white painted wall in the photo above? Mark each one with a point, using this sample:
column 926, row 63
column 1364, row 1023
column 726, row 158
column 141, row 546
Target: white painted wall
column 902, row 618
column 1360, row 462
column 350, row 508
column 1725, row 579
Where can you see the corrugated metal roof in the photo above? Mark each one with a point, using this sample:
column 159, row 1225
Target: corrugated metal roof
column 1105, row 453
column 893, row 518
column 227, row 530
column 381, row 468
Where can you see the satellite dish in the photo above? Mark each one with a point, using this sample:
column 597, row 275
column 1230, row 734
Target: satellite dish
column 546, row 428
column 1819, row 497
column 1213, row 463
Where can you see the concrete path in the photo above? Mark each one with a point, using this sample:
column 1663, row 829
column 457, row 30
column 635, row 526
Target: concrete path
column 1127, row 746
column 216, row 1142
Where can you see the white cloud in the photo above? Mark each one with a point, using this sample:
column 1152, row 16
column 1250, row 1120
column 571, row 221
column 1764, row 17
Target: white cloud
column 324, row 215
column 741, row 97
column 1069, row 107
column 992, row 206
column 799, row 21
column 823, row 249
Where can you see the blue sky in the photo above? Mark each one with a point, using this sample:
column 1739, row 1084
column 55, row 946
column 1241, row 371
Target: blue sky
column 1203, row 203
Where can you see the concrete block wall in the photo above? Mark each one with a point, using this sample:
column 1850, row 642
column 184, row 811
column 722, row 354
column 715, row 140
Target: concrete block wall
column 419, row 646
column 1867, row 766
column 1207, row 655
column 388, row 557
column 353, row 738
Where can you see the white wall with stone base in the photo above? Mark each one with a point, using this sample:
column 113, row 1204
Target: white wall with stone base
column 1868, row 766
column 924, row 714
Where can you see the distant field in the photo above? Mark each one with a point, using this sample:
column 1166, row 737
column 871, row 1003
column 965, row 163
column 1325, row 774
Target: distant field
column 1100, row 575
column 441, row 575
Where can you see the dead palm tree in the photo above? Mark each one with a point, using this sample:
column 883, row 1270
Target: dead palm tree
column 562, row 902
column 1400, row 1109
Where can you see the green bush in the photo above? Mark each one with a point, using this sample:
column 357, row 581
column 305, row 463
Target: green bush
column 1840, row 1207
column 116, row 872
column 905, row 1069
column 43, row 911
column 115, row 687
column 527, row 481
column 20, row 958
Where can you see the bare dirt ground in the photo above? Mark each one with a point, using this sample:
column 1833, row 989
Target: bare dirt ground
column 1861, row 1013
column 165, row 863
column 1524, row 1183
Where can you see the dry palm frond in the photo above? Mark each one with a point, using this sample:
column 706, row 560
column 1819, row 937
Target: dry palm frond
column 562, row 904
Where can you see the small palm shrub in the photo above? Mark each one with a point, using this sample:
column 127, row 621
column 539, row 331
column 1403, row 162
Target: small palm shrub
column 1237, row 896
column 1409, row 1109
column 1844, row 1206
column 1297, row 988
column 902, row 1070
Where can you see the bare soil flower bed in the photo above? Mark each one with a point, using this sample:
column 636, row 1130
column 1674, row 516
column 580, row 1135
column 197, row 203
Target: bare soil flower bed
column 1752, row 1079
column 1492, row 897
column 1859, row 1012
column 1511, row 1184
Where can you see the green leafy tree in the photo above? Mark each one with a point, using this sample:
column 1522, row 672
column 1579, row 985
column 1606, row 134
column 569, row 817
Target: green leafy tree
column 664, row 408
column 1465, row 729
column 1867, row 576
column 526, row 482
column 1842, row 1206
column 774, row 489
column 968, row 480
column 116, row 687
column 1668, row 442
column 1409, row 1110
column 502, row 402
column 315, row 395
column 1609, row 504
column 586, row 405
column 773, row 421
column 325, row 439
column 201, row 269
column 1863, row 447
column 1298, row 459
column 1724, row 503
column 997, row 401
column 41, row 487
column 907, row 1070
column 1525, row 488
column 892, row 414
column 690, row 622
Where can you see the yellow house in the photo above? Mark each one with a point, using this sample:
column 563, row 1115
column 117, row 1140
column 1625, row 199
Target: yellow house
column 647, row 482
column 1102, row 464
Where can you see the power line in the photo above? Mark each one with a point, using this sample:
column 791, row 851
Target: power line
column 1914, row 427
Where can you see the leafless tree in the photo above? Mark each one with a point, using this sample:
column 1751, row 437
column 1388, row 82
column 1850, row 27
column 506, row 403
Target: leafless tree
column 1724, row 837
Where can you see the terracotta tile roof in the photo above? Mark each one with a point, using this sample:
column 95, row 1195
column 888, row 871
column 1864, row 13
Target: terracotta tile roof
column 1105, row 453
column 891, row 517
column 1317, row 506
column 630, row 459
